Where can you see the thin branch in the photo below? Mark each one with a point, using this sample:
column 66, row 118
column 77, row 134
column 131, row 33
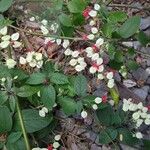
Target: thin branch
column 129, row 6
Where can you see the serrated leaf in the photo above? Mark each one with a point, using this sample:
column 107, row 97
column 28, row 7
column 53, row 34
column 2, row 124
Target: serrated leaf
column 80, row 85
column 132, row 65
column 33, row 122
column 13, row 137
column 36, row 78
column 5, row 4
column 48, row 96
column 59, row 78
column 76, row 6
column 108, row 135
column 3, row 97
column 130, row 27
column 143, row 38
column 65, row 20
column 68, row 105
column 5, row 119
column 27, row 91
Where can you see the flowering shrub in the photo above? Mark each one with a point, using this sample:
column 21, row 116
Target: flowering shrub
column 35, row 88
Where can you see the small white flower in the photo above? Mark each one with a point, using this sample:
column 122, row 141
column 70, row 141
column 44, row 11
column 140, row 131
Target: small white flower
column 3, row 31
column 92, row 23
column 56, row 145
column 100, row 76
column 94, row 106
column 10, row 63
column 101, row 68
column 125, row 107
column 39, row 64
column 16, row 44
column 144, row 109
column 39, row 94
column 97, row 7
column 147, row 121
column 38, row 56
column 133, row 107
column 22, row 61
column 3, row 79
column 139, row 135
column 91, row 36
column 6, row 38
column 57, row 137
column 75, row 54
column 99, row 61
column 95, row 56
column 15, row 36
column 30, row 56
column 143, row 115
column 36, row 148
column 80, row 60
column 98, row 100
column 44, row 22
column 99, row 42
column 32, row 19
column 136, row 115
column 68, row 52
column 94, row 30
column 42, row 113
column 89, row 51
column 79, row 68
column 109, row 75
column 66, row 43
column 140, row 105
column 139, row 122
column 83, row 64
column 58, row 41
column 93, row 13
column 83, row 114
column 44, row 30
column 121, row 137
column 110, row 83
column 4, row 44
column 92, row 70
column 73, row 62
column 32, row 63
column 45, row 109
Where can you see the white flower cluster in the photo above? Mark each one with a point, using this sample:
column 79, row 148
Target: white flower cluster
column 140, row 114
column 34, row 59
column 43, row 112
column 38, row 148
column 7, row 40
column 97, row 101
column 56, row 144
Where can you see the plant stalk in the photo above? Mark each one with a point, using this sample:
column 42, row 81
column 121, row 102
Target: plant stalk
column 22, row 126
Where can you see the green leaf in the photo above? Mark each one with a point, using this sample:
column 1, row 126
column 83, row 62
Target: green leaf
column 115, row 95
column 33, row 122
column 119, row 57
column 59, row 78
column 48, row 96
column 36, row 78
column 65, row 20
column 13, row 137
column 130, row 27
column 5, row 119
column 107, row 135
column 57, row 4
column 143, row 38
column 67, row 31
column 76, row 6
column 5, row 4
column 132, row 65
column 5, row 73
column 106, row 111
column 80, row 85
column 12, row 103
column 68, row 105
column 78, row 19
column 27, row 91
column 5, row 22
column 117, row 16
column 108, row 29
column 3, row 97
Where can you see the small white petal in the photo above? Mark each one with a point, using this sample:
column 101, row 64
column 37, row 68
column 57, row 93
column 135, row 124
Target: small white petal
column 147, row 121
column 98, row 100
column 92, row 23
column 32, row 63
column 3, row 31
column 44, row 30
column 66, row 43
column 32, row 19
column 99, row 61
column 92, row 70
column 109, row 75
column 94, row 30
column 39, row 64
column 91, row 36
column 93, row 13
column 99, row 42
column 100, row 76
column 94, row 106
column 10, row 63
column 136, row 115
column 80, row 60
column 44, row 22
column 75, row 54
column 79, row 68
column 15, row 36
column 58, row 41
column 83, row 114
column 101, row 68
column 6, row 38
column 16, row 44
column 56, row 145
column 38, row 56
column 41, row 113
column 144, row 109
column 95, row 56
column 22, row 61
column 97, row 7
column 139, row 135
column 57, row 137
column 68, row 52
column 45, row 109
column 4, row 44
column 73, row 62
column 140, row 105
